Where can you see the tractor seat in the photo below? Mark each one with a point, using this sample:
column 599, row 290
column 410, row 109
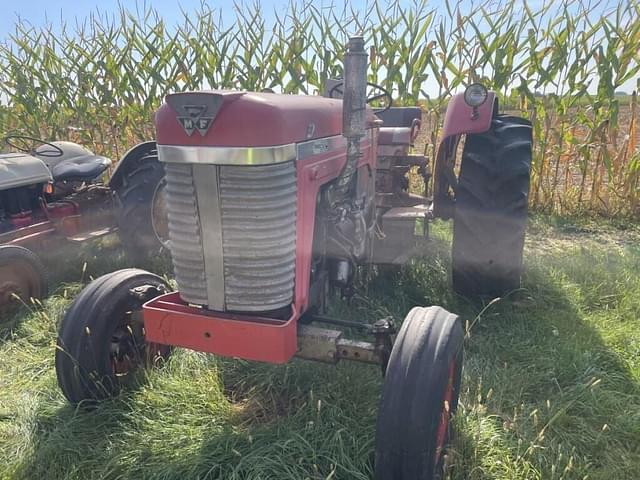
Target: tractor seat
column 76, row 163
column 80, row 168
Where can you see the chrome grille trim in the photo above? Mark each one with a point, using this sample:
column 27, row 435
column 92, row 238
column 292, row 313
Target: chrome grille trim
column 205, row 179
column 251, row 156
column 227, row 155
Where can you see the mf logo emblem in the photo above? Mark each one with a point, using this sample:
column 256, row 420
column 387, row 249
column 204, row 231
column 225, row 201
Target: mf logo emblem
column 196, row 119
column 195, row 111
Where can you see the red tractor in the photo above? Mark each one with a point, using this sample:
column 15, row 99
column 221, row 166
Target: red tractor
column 274, row 200
column 52, row 193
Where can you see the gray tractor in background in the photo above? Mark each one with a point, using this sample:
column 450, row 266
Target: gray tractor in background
column 53, row 193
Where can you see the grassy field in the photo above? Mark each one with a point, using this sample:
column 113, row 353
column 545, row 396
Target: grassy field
column 551, row 386
column 98, row 80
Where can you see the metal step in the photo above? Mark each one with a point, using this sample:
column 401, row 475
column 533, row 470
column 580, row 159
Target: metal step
column 405, row 213
column 91, row 235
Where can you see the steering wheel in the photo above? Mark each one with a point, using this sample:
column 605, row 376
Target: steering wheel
column 26, row 144
column 337, row 92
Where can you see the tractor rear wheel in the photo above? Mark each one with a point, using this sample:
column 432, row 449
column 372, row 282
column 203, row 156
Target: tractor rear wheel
column 491, row 209
column 419, row 397
column 101, row 342
column 140, row 209
column 22, row 276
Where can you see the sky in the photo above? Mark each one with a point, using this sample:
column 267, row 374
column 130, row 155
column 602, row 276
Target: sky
column 40, row 12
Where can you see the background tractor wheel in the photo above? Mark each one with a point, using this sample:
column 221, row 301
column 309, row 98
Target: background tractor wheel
column 21, row 274
column 101, row 342
column 140, row 208
column 491, row 209
column 420, row 394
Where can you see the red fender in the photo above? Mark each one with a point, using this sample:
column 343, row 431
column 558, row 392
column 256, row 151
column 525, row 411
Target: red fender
column 460, row 119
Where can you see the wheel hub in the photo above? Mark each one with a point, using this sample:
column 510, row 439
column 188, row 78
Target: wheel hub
column 17, row 281
column 128, row 349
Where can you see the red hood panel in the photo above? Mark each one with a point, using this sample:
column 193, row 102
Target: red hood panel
column 247, row 119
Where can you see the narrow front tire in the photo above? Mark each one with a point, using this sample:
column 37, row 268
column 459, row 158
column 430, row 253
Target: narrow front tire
column 420, row 396
column 101, row 342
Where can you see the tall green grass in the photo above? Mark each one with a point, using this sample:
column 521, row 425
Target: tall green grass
column 99, row 80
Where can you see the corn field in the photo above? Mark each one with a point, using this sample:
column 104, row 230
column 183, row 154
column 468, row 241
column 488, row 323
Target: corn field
column 99, row 80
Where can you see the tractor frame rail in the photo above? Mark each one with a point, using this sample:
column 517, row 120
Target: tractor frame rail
column 169, row 320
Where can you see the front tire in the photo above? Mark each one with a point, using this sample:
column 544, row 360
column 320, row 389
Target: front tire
column 491, row 209
column 420, row 395
column 101, row 341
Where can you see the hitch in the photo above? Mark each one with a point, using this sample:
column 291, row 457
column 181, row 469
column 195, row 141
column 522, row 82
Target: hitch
column 329, row 346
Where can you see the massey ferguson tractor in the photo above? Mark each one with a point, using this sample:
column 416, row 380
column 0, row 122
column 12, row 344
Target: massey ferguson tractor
column 52, row 193
column 275, row 200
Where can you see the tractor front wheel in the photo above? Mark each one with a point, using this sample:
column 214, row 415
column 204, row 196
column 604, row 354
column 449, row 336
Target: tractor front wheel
column 419, row 397
column 22, row 276
column 491, row 209
column 101, row 343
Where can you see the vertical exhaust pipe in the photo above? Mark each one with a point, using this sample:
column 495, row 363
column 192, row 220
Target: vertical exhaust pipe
column 353, row 112
column 355, row 85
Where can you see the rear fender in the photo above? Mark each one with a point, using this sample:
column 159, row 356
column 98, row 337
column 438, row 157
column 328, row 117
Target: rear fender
column 460, row 119
column 128, row 161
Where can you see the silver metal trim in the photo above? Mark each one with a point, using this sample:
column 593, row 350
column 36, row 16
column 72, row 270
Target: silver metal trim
column 250, row 155
column 318, row 146
column 206, row 182
column 226, row 155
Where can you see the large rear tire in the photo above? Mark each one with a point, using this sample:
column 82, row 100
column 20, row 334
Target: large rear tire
column 101, row 341
column 419, row 397
column 22, row 276
column 491, row 209
column 139, row 207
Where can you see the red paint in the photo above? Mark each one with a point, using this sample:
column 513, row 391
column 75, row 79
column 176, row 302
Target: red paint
column 61, row 209
column 26, row 236
column 445, row 413
column 249, row 119
column 66, row 216
column 170, row 321
column 253, row 120
column 312, row 174
column 460, row 118
column 21, row 220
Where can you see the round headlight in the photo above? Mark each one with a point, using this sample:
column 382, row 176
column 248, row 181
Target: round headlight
column 476, row 94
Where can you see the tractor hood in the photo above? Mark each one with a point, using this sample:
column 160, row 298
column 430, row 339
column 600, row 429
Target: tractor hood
column 21, row 170
column 246, row 119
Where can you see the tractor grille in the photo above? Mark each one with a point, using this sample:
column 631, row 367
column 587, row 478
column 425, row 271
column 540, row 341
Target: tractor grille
column 184, row 233
column 258, row 235
column 233, row 234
